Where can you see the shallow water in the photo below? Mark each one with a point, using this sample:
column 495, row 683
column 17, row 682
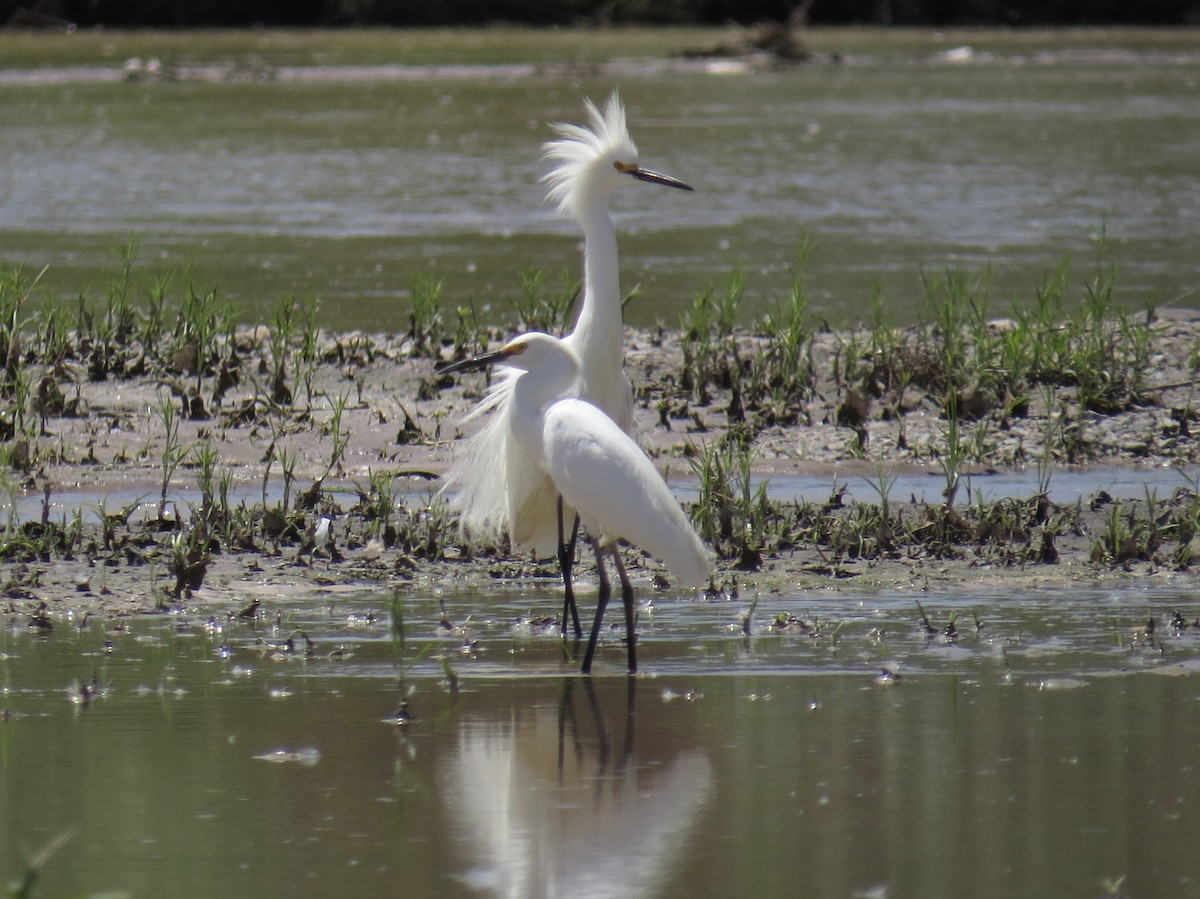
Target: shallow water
column 854, row 480
column 346, row 188
column 1039, row 756
column 1065, row 487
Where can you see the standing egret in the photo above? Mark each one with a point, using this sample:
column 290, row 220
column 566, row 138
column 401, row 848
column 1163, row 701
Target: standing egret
column 589, row 164
column 596, row 468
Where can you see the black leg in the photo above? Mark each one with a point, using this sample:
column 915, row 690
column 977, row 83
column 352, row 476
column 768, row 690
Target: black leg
column 601, row 604
column 566, row 562
column 627, row 599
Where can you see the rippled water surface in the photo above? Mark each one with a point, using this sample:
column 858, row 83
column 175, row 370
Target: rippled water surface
column 1046, row 751
column 347, row 187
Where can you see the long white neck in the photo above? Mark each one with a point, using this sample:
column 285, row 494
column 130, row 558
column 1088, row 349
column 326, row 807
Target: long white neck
column 557, row 376
column 597, row 338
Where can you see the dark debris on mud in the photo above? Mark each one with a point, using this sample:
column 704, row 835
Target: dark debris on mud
column 207, row 464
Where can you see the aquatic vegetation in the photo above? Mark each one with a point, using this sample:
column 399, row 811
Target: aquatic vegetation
column 731, row 514
column 202, row 320
column 377, row 505
column 542, row 307
column 337, row 433
column 949, row 392
column 171, row 451
column 710, row 356
column 188, row 560
column 425, row 319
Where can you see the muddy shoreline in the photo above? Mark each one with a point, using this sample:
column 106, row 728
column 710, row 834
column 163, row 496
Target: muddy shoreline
column 369, row 424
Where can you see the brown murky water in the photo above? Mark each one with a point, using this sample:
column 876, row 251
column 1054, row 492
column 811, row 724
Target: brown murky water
column 898, row 161
column 1044, row 754
column 1050, row 753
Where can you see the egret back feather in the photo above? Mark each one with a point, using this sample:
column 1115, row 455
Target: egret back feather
column 475, row 487
column 496, row 491
column 599, row 469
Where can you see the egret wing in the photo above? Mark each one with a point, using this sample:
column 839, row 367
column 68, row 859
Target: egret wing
column 600, row 471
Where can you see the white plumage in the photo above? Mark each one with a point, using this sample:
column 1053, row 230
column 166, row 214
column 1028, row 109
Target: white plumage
column 604, row 475
column 589, row 163
column 596, row 467
column 584, row 456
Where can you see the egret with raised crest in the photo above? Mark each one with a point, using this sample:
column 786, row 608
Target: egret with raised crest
column 589, row 163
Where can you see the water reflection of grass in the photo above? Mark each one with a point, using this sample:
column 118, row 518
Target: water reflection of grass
column 23, row 887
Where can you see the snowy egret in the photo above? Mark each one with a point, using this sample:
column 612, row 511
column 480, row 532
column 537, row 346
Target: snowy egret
column 597, row 468
column 589, row 164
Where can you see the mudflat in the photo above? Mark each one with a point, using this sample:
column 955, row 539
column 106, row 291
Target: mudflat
column 165, row 480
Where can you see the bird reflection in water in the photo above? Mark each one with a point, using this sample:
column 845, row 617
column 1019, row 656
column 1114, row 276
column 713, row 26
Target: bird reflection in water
column 548, row 803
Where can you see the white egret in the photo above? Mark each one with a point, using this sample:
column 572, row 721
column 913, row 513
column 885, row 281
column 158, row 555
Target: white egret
column 589, row 164
column 595, row 466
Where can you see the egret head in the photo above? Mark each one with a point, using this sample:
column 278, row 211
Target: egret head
column 592, row 161
column 552, row 362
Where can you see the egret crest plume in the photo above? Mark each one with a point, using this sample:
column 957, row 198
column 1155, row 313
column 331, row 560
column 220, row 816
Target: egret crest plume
column 582, row 154
column 493, row 485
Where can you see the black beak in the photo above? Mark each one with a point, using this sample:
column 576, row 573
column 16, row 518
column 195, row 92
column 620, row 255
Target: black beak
column 474, row 363
column 655, row 178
